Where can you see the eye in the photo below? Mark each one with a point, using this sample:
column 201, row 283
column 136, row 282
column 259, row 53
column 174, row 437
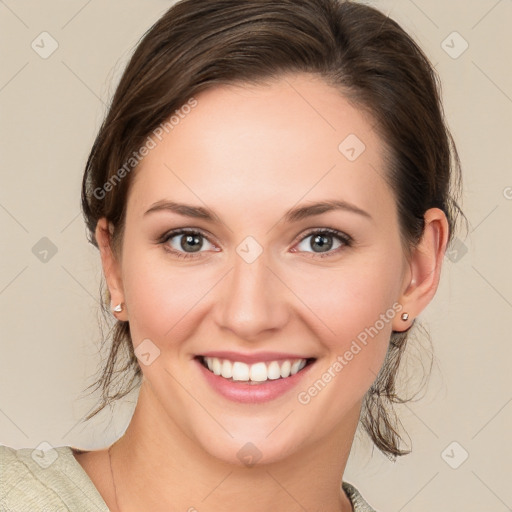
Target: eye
column 324, row 240
column 187, row 242
column 184, row 243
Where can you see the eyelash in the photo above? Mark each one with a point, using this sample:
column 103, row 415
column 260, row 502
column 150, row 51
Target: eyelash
column 346, row 240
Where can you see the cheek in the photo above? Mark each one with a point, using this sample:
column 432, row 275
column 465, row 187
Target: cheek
column 361, row 318
column 160, row 296
column 350, row 299
column 353, row 309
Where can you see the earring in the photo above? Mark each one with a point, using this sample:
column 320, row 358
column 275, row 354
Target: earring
column 118, row 308
column 405, row 316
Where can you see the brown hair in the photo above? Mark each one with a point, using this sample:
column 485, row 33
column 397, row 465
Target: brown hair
column 198, row 44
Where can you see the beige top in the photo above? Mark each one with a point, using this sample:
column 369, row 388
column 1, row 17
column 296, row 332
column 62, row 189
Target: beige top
column 54, row 481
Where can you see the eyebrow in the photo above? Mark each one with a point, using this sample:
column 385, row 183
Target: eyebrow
column 293, row 215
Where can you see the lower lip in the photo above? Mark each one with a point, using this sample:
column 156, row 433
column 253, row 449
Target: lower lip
column 243, row 392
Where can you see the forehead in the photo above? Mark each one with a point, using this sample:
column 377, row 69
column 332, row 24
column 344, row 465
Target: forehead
column 262, row 145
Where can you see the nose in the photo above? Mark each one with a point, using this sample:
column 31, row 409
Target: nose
column 252, row 302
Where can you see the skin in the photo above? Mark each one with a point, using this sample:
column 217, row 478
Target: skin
column 250, row 153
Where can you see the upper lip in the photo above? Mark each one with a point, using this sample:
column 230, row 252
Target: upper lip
column 254, row 357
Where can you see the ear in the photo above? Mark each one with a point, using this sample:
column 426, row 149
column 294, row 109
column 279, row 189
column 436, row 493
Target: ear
column 422, row 278
column 111, row 267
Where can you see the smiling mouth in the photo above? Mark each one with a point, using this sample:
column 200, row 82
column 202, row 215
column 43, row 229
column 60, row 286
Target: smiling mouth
column 237, row 371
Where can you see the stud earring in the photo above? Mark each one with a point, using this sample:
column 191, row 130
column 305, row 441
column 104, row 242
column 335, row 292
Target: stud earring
column 118, row 308
column 405, row 316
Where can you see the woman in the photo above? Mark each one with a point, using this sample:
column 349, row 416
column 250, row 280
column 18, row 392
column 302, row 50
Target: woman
column 271, row 195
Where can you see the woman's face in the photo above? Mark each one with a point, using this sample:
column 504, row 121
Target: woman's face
column 255, row 289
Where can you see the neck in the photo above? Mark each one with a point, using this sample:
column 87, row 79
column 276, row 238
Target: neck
column 157, row 467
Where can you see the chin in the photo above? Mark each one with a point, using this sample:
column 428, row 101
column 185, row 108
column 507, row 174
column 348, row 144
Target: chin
column 248, row 453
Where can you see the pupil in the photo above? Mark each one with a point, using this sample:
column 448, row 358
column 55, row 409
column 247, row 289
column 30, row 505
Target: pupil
column 193, row 241
column 320, row 240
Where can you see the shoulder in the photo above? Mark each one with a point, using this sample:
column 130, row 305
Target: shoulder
column 358, row 502
column 47, row 481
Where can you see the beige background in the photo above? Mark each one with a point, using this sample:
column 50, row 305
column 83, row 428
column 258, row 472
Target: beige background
column 50, row 111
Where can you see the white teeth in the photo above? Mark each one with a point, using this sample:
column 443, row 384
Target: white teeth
column 285, row 369
column 295, row 367
column 216, row 366
column 274, row 370
column 258, row 372
column 240, row 371
column 227, row 369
